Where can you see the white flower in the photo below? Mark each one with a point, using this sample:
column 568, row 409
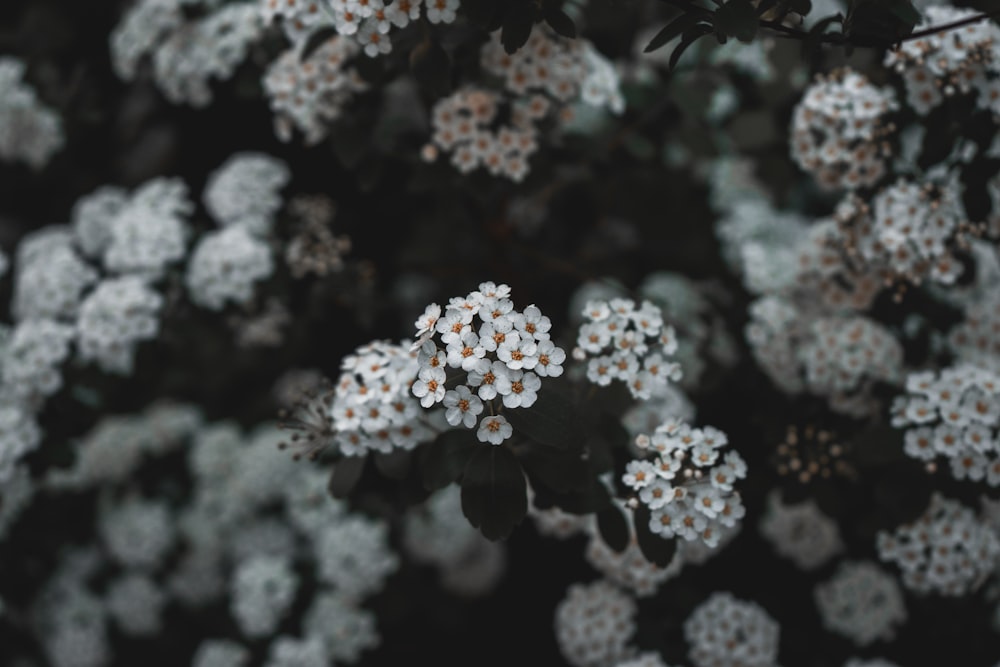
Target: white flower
column 429, row 387
column 462, row 407
column 519, row 389
column 517, row 353
column 639, row 474
column 485, row 376
column 550, row 359
column 494, row 430
column 466, row 352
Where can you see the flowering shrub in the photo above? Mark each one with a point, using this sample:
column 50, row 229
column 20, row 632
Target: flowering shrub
column 569, row 332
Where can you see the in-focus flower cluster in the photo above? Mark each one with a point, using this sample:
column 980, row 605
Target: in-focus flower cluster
column 627, row 344
column 369, row 409
column 499, row 356
column 948, row 550
column 954, row 414
column 689, row 487
column 839, row 130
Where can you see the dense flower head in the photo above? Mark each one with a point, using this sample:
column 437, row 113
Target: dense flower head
column 940, row 65
column 244, row 191
column 594, row 623
column 909, row 231
column 800, row 532
column 50, row 283
column 726, row 632
column 498, row 353
column 839, row 130
column 948, row 550
column 353, row 556
column 839, row 357
column 861, row 602
column 689, row 483
column 954, row 414
column 308, row 94
column 627, row 344
column 114, row 318
column 977, row 338
column 32, row 357
column 224, row 267
column 263, row 589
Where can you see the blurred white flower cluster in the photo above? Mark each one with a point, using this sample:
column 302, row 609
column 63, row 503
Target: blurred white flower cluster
column 861, row 602
column 724, row 630
column 29, row 131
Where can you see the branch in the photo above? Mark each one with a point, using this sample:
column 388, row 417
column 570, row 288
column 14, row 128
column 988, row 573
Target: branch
column 791, row 32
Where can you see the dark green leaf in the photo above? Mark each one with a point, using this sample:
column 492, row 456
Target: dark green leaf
column 431, row 67
column 656, row 549
column 395, row 464
column 690, row 37
column 591, row 498
column 560, row 470
column 516, row 30
column 737, row 18
column 672, row 30
column 764, row 5
column 552, row 421
column 559, row 21
column 443, row 460
column 494, row 493
column 905, row 12
column 346, row 473
column 316, row 40
column 614, row 528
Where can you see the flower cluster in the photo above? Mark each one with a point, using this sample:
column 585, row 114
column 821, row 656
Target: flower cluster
column 839, row 357
column 947, row 550
column 464, row 126
column 800, row 532
column 630, row 569
column 118, row 315
column 370, row 22
column 909, row 231
column 861, row 602
column 627, row 344
column 689, row 485
column 503, row 354
column 940, row 65
column 308, row 94
column 244, row 191
column 369, row 409
column 29, row 131
column 541, row 80
column 839, row 130
column 224, row 267
column 594, row 623
column 725, row 631
column 185, row 54
column 955, row 414
column 977, row 338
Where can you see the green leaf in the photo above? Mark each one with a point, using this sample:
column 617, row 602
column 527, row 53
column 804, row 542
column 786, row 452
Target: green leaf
column 316, row 40
column 559, row 21
column 494, row 493
column 346, row 473
column 614, row 528
column 561, row 471
column 737, row 18
column 656, row 549
column 673, row 30
column 394, row 464
column 553, row 420
column 443, row 460
column 516, row 30
column 690, row 37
